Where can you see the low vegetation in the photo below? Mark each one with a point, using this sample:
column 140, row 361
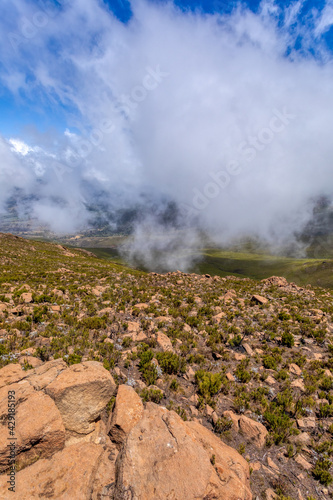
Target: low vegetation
column 269, row 360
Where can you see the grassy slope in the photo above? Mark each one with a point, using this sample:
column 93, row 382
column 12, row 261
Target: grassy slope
column 317, row 272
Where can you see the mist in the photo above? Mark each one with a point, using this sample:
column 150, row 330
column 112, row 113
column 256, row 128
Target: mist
column 226, row 116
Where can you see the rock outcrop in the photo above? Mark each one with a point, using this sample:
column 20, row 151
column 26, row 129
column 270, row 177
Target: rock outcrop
column 69, row 448
column 165, row 457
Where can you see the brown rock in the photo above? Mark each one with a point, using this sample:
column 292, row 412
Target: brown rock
column 26, row 297
column 302, row 462
column 276, row 281
column 165, row 457
column 70, row 474
column 39, row 430
column 209, row 410
column 127, row 412
column 164, row 342
column 190, row 373
column 295, row 369
column 34, row 362
column 258, row 299
column 133, row 327
column 272, row 464
column 229, row 296
column 233, row 417
column 141, row 306
column 306, row 423
column 11, row 373
column 43, row 375
column 81, row 392
column 215, row 418
column 217, row 318
column 303, row 438
column 270, row 495
column 248, row 349
column 239, row 357
column 253, row 431
column 137, row 336
column 298, row 384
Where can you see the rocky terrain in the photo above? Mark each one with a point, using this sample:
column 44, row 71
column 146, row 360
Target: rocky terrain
column 145, row 386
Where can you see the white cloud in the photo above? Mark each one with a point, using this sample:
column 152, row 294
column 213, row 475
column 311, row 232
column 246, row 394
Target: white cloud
column 168, row 101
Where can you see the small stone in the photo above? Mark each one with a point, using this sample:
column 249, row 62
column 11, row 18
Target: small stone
column 258, row 299
column 164, row 342
column 299, row 384
column 272, row 464
column 306, row 423
column 248, row 349
column 215, row 418
column 295, row 369
column 302, row 462
column 209, row 410
column 26, row 297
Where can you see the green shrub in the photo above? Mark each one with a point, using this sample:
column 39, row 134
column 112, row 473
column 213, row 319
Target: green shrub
column 3, row 350
column 287, row 339
column 174, row 386
column 325, row 410
column 282, row 375
column 269, row 362
column 42, row 353
column 126, row 342
column 279, row 423
column 154, row 395
column 208, row 383
column 284, row 316
column 236, row 340
column 93, row 323
column 181, row 412
column 171, row 363
column 73, row 359
column 242, row 374
column 223, row 424
column 148, row 370
column 321, row 471
column 326, row 384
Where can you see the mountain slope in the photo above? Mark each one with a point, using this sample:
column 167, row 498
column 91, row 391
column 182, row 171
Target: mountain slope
column 250, row 360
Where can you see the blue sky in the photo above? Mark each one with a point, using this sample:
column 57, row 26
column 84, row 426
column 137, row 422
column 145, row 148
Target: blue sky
column 20, row 110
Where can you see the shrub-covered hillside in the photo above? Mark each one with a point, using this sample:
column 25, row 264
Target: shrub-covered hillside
column 251, row 360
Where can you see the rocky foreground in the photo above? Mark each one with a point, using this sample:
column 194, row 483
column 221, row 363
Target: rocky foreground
column 71, row 445
column 129, row 385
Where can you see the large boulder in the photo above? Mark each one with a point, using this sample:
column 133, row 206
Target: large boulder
column 127, row 413
column 69, row 475
column 81, row 392
column 165, row 457
column 39, row 430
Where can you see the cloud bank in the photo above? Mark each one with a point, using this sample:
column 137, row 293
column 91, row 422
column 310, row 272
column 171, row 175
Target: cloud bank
column 227, row 116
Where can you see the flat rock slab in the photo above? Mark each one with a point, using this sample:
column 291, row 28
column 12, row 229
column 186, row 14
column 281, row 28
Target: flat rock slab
column 165, row 457
column 68, row 475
